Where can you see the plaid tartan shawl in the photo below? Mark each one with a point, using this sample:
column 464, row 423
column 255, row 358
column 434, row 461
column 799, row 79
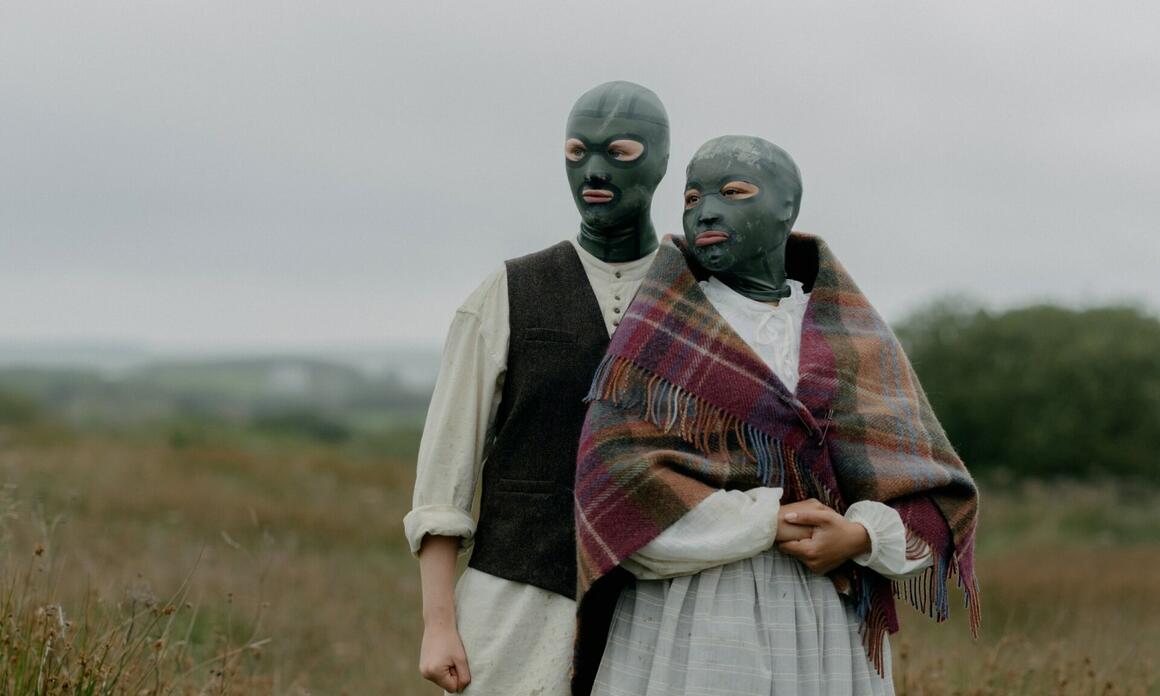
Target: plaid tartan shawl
column 681, row 407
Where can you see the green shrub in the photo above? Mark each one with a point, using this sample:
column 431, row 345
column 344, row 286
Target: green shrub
column 1043, row 391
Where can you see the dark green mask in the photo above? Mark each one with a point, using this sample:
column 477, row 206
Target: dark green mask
column 616, row 150
column 741, row 199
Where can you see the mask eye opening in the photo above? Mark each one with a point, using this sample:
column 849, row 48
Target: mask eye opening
column 625, row 149
column 575, row 150
column 739, row 190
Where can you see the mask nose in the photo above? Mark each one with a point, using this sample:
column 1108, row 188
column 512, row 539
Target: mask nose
column 595, row 178
column 707, row 222
column 709, row 216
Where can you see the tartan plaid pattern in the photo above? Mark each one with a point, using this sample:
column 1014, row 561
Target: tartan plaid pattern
column 681, row 407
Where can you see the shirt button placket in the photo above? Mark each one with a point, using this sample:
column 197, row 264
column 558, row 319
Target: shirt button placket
column 616, row 297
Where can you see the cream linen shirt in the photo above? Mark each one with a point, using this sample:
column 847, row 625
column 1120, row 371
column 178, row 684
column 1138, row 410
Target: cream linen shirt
column 518, row 637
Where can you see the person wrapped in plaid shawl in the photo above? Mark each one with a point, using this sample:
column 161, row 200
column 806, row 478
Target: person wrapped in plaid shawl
column 750, row 362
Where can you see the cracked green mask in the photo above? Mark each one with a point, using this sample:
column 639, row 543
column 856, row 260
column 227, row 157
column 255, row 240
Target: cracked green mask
column 742, row 195
column 616, row 150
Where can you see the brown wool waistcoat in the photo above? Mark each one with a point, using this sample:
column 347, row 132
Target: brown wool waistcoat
column 526, row 530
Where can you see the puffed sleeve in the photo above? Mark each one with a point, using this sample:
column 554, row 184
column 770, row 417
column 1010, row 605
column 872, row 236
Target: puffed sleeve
column 727, row 526
column 463, row 406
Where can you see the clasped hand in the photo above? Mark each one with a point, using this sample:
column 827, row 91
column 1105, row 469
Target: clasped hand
column 818, row 536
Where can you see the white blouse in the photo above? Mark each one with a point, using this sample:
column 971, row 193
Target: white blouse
column 731, row 525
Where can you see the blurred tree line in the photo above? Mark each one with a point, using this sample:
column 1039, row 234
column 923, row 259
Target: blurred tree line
column 1043, row 391
column 1035, row 392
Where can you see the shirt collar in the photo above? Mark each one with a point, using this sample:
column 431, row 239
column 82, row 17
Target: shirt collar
column 797, row 297
column 628, row 270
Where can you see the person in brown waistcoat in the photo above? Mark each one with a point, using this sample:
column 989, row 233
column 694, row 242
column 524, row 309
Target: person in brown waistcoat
column 507, row 411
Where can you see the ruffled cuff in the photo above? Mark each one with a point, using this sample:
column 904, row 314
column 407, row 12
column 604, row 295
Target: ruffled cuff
column 888, row 543
column 438, row 520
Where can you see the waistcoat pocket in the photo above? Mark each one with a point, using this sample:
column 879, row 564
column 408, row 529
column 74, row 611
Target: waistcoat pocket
column 541, row 335
column 529, row 486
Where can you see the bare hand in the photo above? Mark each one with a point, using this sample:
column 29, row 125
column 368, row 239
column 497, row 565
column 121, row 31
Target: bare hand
column 834, row 541
column 442, row 658
column 788, row 531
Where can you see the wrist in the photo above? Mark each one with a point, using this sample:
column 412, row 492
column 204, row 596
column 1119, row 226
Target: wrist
column 441, row 616
column 859, row 539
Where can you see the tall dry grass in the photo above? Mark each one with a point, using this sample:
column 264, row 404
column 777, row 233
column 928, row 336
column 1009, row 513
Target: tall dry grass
column 296, row 549
column 1071, row 600
column 299, row 545
column 139, row 645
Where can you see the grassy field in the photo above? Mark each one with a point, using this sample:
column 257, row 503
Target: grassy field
column 269, row 565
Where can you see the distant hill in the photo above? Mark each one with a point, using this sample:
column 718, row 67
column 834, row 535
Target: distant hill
column 357, row 390
column 107, row 356
column 414, row 366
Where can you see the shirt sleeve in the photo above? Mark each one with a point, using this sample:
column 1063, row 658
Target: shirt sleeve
column 463, row 406
column 894, row 552
column 727, row 526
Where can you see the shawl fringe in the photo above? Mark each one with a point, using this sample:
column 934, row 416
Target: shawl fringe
column 712, row 430
column 709, row 428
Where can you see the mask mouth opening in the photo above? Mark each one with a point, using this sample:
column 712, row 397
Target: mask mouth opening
column 711, row 237
column 597, row 193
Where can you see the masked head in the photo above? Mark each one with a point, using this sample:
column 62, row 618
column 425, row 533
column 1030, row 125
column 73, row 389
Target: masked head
column 616, row 148
column 742, row 196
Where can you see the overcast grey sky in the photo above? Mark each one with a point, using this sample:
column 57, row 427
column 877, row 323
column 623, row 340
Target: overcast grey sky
column 273, row 174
